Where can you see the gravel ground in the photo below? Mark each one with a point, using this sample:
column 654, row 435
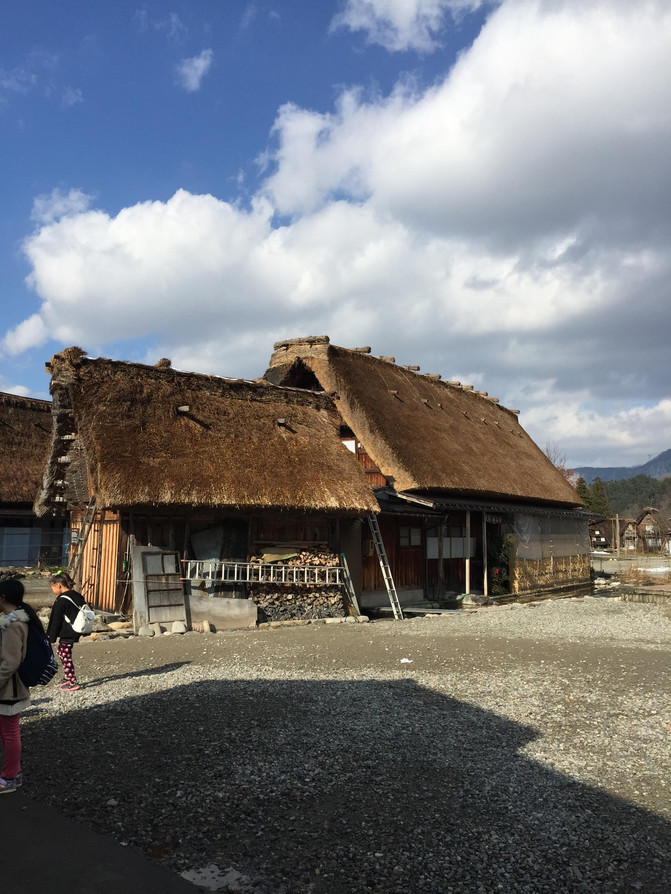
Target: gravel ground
column 512, row 749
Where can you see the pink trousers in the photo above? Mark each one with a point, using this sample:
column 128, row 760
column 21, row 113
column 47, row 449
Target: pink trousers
column 11, row 746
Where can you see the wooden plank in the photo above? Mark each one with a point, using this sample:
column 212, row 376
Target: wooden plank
column 163, row 613
column 164, row 598
column 173, row 584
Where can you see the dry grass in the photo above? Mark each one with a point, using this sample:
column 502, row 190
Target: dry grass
column 25, row 432
column 645, row 578
column 157, row 436
column 423, row 433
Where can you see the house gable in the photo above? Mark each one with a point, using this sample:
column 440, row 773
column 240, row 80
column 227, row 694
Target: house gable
column 423, row 433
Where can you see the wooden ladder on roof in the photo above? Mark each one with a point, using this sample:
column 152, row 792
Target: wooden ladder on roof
column 85, row 529
column 384, row 565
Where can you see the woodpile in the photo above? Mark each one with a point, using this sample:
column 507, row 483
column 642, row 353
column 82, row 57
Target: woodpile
column 297, row 603
column 307, row 557
column 286, row 602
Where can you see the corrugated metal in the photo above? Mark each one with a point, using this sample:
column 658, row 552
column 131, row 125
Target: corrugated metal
column 100, row 560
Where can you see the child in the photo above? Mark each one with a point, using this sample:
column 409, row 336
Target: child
column 15, row 619
column 63, row 613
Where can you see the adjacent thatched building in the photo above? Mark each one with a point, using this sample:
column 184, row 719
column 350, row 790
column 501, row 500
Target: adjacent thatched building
column 25, row 428
column 197, row 466
column 469, row 502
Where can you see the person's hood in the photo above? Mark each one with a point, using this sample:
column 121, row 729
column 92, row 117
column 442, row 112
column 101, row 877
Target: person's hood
column 17, row 615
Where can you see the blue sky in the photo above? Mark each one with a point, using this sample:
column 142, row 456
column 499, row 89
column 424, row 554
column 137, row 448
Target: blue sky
column 480, row 188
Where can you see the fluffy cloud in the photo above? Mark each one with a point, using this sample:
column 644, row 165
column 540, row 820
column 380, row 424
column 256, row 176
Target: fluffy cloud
column 190, row 72
column 629, row 432
column 49, row 208
column 31, row 333
column 401, row 24
column 507, row 226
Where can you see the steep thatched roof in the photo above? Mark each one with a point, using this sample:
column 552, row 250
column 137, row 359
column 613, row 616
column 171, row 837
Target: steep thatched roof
column 25, row 429
column 424, row 434
column 154, row 436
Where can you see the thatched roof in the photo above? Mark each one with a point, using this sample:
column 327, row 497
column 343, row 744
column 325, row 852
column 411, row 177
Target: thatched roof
column 424, row 434
column 25, row 430
column 153, row 436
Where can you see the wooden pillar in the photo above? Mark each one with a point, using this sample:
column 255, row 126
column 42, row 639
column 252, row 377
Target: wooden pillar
column 485, row 586
column 441, row 557
column 187, row 534
column 99, row 556
column 467, row 551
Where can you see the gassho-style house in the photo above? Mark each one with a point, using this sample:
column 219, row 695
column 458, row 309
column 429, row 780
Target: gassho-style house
column 25, row 434
column 340, row 482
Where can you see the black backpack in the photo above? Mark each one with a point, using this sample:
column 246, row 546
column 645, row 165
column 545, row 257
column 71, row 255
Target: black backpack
column 39, row 666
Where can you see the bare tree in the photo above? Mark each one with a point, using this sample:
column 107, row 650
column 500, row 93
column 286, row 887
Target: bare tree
column 558, row 460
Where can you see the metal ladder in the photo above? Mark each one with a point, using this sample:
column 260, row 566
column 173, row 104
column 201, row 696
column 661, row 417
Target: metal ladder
column 348, row 585
column 384, row 565
column 84, row 530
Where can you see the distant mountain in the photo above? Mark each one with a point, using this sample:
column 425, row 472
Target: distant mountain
column 659, row 467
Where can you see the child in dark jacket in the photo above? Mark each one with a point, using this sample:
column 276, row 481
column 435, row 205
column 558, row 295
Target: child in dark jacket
column 63, row 613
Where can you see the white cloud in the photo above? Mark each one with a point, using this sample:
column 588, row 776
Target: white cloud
column 190, row 72
column 32, row 74
column 20, row 390
column 509, row 225
column 172, row 26
column 72, row 96
column 533, row 132
column 49, row 208
column 620, row 436
column 31, row 333
column 402, row 24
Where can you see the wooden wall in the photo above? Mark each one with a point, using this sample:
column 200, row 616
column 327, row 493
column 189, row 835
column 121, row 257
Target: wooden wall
column 100, row 573
column 406, row 562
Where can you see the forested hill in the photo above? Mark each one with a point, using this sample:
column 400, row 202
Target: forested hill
column 659, row 467
column 629, row 496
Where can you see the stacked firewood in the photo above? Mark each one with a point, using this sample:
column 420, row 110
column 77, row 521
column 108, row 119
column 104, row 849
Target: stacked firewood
column 300, row 603
column 294, row 601
column 306, row 557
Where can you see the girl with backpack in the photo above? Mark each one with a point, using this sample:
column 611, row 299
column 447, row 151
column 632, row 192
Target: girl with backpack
column 63, row 614
column 15, row 619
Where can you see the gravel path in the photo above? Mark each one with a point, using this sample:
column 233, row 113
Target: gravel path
column 511, row 749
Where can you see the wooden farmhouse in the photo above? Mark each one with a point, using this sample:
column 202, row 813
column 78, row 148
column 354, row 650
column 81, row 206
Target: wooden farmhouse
column 185, row 491
column 25, row 431
column 469, row 503
column 650, row 532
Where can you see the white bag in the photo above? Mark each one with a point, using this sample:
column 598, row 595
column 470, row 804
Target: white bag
column 83, row 623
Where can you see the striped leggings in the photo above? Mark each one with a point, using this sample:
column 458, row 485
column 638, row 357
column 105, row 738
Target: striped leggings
column 64, row 651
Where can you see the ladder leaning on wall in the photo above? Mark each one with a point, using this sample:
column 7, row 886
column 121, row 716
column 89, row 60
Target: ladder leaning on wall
column 384, row 565
column 348, row 585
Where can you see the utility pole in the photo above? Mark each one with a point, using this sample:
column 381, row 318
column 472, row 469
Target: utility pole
column 617, row 534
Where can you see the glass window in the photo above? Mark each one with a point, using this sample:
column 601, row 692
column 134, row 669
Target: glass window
column 410, row 536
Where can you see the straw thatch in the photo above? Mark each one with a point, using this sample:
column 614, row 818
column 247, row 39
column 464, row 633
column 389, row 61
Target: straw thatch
column 25, row 433
column 154, row 436
column 424, row 434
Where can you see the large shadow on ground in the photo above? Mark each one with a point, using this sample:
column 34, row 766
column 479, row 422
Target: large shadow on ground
column 331, row 786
